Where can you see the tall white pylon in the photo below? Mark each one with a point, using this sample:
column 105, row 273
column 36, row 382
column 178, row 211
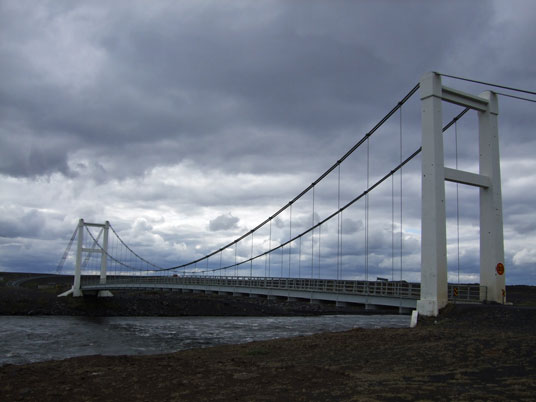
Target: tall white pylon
column 434, row 173
column 76, row 290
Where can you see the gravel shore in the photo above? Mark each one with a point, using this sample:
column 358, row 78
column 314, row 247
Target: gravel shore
column 478, row 353
column 469, row 352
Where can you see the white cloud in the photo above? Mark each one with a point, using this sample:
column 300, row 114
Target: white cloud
column 223, row 222
column 525, row 256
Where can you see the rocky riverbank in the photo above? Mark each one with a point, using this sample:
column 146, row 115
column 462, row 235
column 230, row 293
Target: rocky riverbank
column 468, row 353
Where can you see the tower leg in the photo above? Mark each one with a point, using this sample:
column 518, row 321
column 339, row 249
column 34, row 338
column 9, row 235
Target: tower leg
column 104, row 254
column 433, row 226
column 491, row 222
column 77, row 268
column 104, row 259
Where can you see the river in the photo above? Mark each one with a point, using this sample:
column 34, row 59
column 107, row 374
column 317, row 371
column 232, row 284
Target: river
column 40, row 338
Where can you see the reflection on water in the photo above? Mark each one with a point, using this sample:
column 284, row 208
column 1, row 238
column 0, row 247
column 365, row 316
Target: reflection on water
column 29, row 339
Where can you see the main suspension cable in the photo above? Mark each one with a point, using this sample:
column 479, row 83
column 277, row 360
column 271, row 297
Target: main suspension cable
column 118, row 261
column 132, row 251
column 281, row 245
column 516, row 97
column 362, row 195
column 311, row 186
column 488, row 84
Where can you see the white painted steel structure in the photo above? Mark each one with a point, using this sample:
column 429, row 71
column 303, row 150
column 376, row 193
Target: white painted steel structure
column 433, row 291
column 434, row 174
column 103, row 250
column 372, row 294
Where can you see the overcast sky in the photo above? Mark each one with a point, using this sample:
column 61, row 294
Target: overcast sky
column 187, row 123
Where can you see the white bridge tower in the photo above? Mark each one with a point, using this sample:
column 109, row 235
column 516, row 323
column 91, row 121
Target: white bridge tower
column 95, row 248
column 434, row 174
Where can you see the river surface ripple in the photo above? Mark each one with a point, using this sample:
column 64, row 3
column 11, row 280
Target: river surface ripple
column 31, row 339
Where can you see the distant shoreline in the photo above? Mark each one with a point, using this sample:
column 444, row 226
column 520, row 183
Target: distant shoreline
column 38, row 296
column 20, row 301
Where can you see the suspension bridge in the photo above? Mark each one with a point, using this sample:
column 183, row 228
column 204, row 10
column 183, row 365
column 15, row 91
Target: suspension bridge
column 319, row 252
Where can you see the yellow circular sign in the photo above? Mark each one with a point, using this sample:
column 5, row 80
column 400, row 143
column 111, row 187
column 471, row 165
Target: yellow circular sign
column 500, row 268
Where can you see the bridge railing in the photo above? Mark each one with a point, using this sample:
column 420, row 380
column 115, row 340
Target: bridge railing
column 466, row 292
column 402, row 289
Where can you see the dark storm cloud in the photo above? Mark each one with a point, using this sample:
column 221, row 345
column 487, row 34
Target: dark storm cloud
column 162, row 115
column 23, row 156
column 14, row 224
column 206, row 84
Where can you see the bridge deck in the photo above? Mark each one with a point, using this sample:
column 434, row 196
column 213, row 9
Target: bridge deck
column 370, row 293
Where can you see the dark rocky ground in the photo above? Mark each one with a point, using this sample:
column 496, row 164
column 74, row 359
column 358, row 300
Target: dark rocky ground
column 468, row 353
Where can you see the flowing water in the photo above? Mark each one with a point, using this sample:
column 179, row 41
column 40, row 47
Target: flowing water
column 31, row 339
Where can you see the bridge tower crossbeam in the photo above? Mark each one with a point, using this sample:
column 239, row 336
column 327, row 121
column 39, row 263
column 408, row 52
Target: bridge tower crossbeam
column 434, row 174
